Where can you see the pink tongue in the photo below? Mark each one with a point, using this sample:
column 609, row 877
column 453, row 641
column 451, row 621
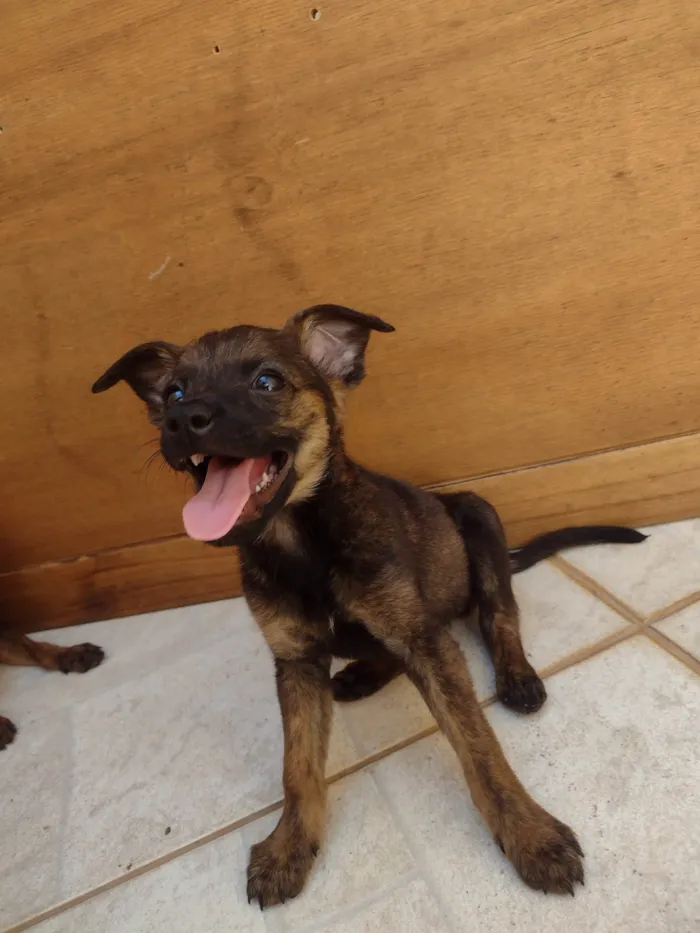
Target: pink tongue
column 218, row 505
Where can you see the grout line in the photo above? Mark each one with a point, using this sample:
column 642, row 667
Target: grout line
column 569, row 660
column 590, row 651
column 385, row 752
column 595, row 589
column 666, row 644
column 212, row 836
column 144, row 869
column 671, row 610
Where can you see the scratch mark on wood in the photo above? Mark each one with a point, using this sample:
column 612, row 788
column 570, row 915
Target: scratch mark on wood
column 160, row 270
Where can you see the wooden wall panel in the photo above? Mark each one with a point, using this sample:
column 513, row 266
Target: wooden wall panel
column 515, row 186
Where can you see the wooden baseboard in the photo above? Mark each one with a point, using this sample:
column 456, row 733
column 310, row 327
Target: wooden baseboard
column 643, row 485
column 636, row 486
column 118, row 582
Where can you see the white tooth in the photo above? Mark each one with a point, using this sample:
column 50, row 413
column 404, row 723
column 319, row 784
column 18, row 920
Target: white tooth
column 197, row 459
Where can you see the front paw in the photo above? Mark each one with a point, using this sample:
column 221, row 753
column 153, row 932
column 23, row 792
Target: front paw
column 547, row 855
column 80, row 658
column 278, row 869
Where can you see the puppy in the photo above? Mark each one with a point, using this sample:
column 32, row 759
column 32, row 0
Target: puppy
column 338, row 561
column 18, row 649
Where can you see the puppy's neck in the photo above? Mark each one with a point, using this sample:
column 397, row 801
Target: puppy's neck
column 283, row 533
column 288, row 530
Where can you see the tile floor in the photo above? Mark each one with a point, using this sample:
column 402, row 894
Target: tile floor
column 132, row 794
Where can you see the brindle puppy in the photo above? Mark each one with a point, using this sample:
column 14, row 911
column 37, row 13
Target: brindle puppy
column 340, row 561
column 20, row 650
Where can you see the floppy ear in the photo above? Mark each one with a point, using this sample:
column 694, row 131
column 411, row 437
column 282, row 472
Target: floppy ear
column 335, row 338
column 145, row 368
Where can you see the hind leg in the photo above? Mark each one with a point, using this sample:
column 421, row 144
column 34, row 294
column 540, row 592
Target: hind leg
column 372, row 666
column 517, row 683
column 361, row 679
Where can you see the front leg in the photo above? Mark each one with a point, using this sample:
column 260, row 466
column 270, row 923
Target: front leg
column 544, row 851
column 280, row 865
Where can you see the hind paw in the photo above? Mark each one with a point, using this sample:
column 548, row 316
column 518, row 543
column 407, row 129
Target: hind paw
column 521, row 691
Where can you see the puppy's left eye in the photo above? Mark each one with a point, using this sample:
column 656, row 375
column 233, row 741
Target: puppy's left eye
column 268, row 382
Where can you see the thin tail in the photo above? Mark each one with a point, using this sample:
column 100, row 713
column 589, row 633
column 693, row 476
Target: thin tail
column 546, row 545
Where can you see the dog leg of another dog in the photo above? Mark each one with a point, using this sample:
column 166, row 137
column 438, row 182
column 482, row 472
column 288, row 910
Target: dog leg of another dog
column 20, row 650
column 545, row 852
column 8, row 731
column 280, row 864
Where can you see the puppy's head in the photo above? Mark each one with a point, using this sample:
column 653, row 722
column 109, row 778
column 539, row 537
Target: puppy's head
column 250, row 412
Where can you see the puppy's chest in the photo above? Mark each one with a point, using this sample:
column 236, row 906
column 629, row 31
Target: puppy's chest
column 295, row 580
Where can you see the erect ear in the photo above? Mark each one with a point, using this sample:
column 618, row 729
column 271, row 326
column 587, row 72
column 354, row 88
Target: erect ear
column 145, row 368
column 335, row 338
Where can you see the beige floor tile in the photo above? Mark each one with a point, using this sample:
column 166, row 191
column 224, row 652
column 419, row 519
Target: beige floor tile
column 684, row 628
column 648, row 576
column 204, row 891
column 35, row 787
column 615, row 753
column 189, row 744
column 197, row 893
column 407, row 909
column 558, row 617
column 363, row 852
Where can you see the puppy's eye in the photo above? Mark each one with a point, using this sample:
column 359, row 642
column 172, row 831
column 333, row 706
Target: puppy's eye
column 173, row 393
column 268, row 382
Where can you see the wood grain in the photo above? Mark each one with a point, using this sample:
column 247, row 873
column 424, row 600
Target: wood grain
column 515, row 186
column 638, row 486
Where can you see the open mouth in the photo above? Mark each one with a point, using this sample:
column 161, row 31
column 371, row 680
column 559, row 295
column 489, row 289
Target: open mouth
column 232, row 492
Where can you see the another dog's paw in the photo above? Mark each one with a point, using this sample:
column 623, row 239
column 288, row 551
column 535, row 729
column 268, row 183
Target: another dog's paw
column 80, row 658
column 277, row 871
column 8, row 731
column 521, row 690
column 548, row 856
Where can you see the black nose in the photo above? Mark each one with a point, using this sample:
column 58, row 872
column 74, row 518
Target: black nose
column 192, row 417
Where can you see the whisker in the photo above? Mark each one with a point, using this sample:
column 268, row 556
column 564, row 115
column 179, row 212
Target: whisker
column 149, row 442
column 156, row 455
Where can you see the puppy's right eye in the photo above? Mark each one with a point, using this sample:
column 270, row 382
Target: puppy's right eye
column 173, row 393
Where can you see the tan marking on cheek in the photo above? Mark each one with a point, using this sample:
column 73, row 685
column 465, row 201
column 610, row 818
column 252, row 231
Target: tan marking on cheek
column 311, row 457
column 340, row 393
